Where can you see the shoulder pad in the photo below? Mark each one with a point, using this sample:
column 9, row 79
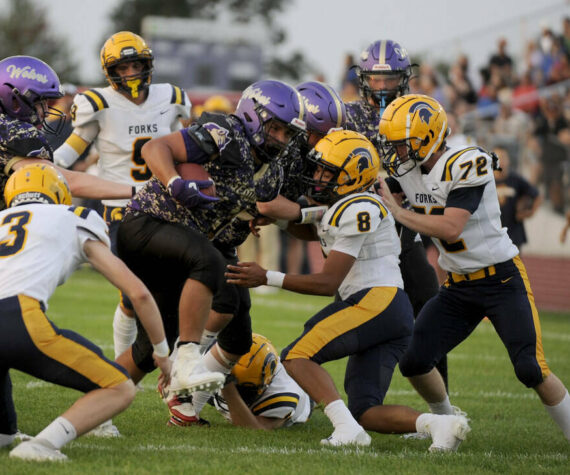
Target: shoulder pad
column 90, row 221
column 96, row 99
column 86, row 106
column 471, row 166
column 358, row 214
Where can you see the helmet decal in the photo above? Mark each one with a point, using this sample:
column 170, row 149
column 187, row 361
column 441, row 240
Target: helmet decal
column 425, row 111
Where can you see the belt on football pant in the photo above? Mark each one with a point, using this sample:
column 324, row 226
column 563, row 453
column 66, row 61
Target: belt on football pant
column 478, row 274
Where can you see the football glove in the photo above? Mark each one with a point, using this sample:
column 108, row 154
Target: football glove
column 189, row 194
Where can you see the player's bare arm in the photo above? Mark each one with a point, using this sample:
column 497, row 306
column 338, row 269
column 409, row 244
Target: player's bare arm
column 161, row 155
column 447, row 226
column 326, row 282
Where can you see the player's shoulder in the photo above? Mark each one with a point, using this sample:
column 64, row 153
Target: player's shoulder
column 167, row 93
column 89, row 219
column 465, row 164
column 354, row 207
column 94, row 100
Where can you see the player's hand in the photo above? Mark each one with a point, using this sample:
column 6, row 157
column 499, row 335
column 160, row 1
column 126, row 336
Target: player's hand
column 246, row 274
column 387, row 197
column 165, row 365
column 189, row 194
column 255, row 223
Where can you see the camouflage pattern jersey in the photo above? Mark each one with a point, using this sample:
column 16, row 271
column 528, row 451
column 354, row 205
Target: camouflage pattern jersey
column 19, row 139
column 364, row 119
column 234, row 174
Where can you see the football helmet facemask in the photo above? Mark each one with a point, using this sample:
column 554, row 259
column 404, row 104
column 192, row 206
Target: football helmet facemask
column 265, row 103
column 254, row 371
column 37, row 183
column 26, row 84
column 412, row 128
column 388, row 63
column 352, row 161
column 122, row 47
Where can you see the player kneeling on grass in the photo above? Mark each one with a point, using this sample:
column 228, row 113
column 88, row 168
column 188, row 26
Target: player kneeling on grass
column 372, row 321
column 42, row 240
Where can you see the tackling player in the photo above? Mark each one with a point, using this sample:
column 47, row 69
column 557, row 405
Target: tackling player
column 42, row 240
column 371, row 321
column 384, row 72
column 454, row 200
column 119, row 119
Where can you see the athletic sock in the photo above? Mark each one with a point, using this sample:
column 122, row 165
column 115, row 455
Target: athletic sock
column 124, row 331
column 58, row 433
column 6, row 439
column 210, row 363
column 340, row 416
column 207, row 338
column 443, row 407
column 561, row 414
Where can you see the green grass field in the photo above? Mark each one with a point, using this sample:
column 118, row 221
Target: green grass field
column 511, row 432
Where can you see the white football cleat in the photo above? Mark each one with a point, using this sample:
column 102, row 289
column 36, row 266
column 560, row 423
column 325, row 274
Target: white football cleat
column 340, row 438
column 188, row 375
column 106, row 430
column 446, row 431
column 37, row 452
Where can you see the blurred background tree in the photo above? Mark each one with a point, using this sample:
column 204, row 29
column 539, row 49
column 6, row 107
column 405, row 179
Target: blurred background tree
column 24, row 30
column 128, row 15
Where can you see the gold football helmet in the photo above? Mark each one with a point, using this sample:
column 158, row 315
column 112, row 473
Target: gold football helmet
column 351, row 159
column 412, row 128
column 37, row 183
column 254, row 371
column 122, row 47
column 218, row 103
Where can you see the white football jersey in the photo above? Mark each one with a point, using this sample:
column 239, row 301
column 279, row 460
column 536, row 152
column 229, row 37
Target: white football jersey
column 361, row 226
column 484, row 241
column 283, row 399
column 41, row 245
column 119, row 128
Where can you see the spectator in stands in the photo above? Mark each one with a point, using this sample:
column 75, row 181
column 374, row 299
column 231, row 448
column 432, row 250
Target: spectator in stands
column 518, row 199
column 460, row 82
column 501, row 62
column 525, row 94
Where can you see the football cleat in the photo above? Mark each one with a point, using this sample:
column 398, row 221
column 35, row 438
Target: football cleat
column 37, row 452
column 106, row 430
column 340, row 438
column 182, row 412
column 446, row 431
column 188, row 375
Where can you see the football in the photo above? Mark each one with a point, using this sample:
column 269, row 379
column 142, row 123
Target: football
column 194, row 171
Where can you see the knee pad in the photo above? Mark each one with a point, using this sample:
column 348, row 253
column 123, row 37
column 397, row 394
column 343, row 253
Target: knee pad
column 411, row 365
column 528, row 371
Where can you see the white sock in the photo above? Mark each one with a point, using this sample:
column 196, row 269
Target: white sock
column 58, row 433
column 561, row 414
column 207, row 338
column 124, row 331
column 443, row 407
column 339, row 414
column 209, row 362
column 6, row 439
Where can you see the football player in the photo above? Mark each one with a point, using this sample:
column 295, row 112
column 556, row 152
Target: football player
column 168, row 234
column 371, row 321
column 26, row 86
column 454, row 200
column 42, row 240
column 119, row 119
column 384, row 72
column 258, row 394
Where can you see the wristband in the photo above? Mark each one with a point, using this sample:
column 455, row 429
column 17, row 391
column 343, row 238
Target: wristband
column 275, row 279
column 161, row 349
column 175, row 177
column 312, row 214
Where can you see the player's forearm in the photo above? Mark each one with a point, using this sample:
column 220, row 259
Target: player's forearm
column 84, row 185
column 240, row 414
column 442, row 227
column 280, row 208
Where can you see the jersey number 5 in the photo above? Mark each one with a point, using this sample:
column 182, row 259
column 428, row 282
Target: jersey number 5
column 15, row 243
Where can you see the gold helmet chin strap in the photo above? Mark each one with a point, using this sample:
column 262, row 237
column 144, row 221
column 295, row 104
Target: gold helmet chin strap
column 134, row 84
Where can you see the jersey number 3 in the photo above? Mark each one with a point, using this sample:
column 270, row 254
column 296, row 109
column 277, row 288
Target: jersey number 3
column 15, row 243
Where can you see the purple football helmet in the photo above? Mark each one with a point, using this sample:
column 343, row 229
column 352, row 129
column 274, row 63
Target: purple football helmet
column 325, row 109
column 25, row 84
column 390, row 60
column 267, row 101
